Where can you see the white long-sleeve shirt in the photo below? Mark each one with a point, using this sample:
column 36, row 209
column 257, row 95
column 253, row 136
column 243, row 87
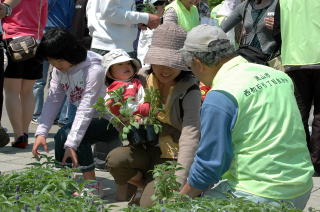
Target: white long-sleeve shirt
column 82, row 84
column 113, row 23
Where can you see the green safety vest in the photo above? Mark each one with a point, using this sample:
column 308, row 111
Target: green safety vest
column 271, row 158
column 300, row 32
column 186, row 19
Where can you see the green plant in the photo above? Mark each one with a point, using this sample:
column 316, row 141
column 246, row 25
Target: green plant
column 148, row 7
column 126, row 120
column 44, row 188
column 167, row 200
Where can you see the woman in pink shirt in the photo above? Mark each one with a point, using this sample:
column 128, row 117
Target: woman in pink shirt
column 27, row 19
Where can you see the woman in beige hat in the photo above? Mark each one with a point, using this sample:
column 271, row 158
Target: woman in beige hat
column 181, row 101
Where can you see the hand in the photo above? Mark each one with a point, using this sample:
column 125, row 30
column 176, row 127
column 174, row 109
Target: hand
column 142, row 26
column 40, row 140
column 2, row 11
column 70, row 153
column 269, row 22
column 154, row 21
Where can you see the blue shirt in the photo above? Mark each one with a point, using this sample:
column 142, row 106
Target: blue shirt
column 214, row 155
column 60, row 13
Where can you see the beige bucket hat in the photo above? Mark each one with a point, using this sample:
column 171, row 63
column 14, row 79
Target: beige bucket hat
column 167, row 39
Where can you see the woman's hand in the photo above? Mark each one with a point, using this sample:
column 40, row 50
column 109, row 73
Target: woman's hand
column 70, row 153
column 269, row 22
column 40, row 141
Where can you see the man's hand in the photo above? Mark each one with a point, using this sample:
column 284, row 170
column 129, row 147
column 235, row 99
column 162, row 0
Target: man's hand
column 70, row 153
column 154, row 21
column 40, row 140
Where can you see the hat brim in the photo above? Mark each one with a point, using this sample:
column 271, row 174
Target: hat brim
column 166, row 57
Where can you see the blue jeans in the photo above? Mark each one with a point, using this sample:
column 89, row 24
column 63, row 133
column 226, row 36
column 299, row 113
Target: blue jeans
column 223, row 188
column 67, row 112
column 38, row 90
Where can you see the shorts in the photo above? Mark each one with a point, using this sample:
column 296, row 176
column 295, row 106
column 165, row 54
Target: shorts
column 29, row 69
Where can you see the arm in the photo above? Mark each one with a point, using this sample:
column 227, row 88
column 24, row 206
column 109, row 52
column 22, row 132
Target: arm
column 115, row 13
column 170, row 15
column 189, row 138
column 3, row 7
column 214, row 154
column 234, row 19
column 94, row 83
column 51, row 106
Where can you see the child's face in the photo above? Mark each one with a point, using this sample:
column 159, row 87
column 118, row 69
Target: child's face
column 60, row 64
column 122, row 71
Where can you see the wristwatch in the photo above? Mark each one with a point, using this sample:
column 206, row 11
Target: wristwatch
column 8, row 9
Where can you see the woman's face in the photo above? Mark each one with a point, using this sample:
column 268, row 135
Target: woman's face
column 165, row 74
column 188, row 3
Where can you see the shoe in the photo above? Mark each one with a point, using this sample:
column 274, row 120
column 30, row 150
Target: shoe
column 135, row 199
column 21, row 142
column 34, row 121
column 91, row 189
column 4, row 137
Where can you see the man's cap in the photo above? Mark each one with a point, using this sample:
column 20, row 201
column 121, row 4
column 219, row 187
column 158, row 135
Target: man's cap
column 199, row 38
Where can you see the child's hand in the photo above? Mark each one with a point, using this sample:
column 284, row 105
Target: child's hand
column 138, row 119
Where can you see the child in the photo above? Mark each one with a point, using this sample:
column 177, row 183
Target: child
column 120, row 72
column 78, row 74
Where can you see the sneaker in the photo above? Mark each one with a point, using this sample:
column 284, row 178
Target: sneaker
column 4, row 137
column 34, row 121
column 21, row 142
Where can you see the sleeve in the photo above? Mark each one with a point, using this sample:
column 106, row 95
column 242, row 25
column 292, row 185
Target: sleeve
column 114, row 12
column 85, row 111
column 170, row 15
column 189, row 138
column 215, row 154
column 234, row 19
column 51, row 106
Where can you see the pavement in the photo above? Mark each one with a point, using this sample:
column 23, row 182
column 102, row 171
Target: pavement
column 13, row 159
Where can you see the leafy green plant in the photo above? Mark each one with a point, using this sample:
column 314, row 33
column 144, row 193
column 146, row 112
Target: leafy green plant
column 148, row 7
column 126, row 120
column 167, row 200
column 44, row 188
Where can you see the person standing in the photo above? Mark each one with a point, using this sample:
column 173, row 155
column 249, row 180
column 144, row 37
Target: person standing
column 300, row 55
column 5, row 10
column 60, row 14
column 114, row 24
column 28, row 18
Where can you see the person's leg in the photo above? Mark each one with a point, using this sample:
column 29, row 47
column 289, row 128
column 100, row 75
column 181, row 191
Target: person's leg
column 302, row 80
column 315, row 135
column 12, row 88
column 27, row 103
column 124, row 164
column 4, row 137
column 38, row 91
column 97, row 131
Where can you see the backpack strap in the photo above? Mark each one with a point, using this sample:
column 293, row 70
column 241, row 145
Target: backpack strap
column 193, row 87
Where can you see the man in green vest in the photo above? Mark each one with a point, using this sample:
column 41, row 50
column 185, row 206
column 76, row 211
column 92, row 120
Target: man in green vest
column 300, row 53
column 252, row 135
